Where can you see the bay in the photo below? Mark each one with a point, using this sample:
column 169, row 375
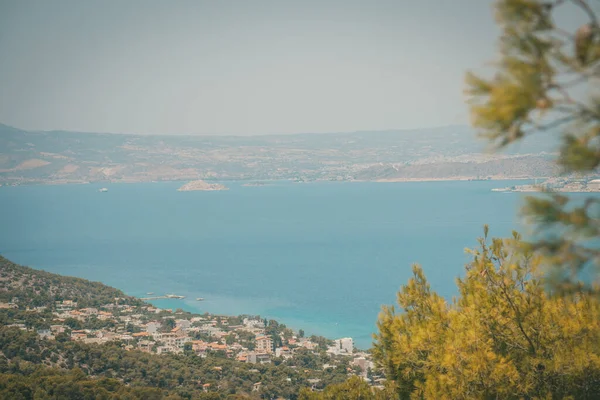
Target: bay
column 319, row 256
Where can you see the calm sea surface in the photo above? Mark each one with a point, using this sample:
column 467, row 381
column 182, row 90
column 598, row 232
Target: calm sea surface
column 318, row 256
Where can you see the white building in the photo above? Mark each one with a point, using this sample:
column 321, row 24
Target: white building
column 261, row 358
column 183, row 324
column 343, row 346
column 594, row 184
column 172, row 340
column 284, row 352
column 253, row 323
column 153, row 327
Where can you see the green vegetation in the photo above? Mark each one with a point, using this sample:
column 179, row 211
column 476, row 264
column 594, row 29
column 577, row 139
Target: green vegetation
column 353, row 389
column 42, row 288
column 503, row 337
column 29, row 382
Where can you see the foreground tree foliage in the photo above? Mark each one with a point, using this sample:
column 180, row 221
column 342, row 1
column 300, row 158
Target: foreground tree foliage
column 503, row 337
column 546, row 80
column 41, row 383
column 354, row 388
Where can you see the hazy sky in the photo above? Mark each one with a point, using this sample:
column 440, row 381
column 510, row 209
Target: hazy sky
column 239, row 67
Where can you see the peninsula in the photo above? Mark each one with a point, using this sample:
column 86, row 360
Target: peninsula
column 201, row 185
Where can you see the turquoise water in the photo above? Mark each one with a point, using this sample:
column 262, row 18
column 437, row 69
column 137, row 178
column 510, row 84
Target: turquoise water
column 319, row 256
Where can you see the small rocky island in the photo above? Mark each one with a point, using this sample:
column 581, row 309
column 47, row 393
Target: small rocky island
column 201, row 185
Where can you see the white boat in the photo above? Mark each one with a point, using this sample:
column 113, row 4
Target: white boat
column 199, row 298
column 103, row 190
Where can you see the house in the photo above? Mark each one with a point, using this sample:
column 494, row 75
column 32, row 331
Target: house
column 126, row 337
column 264, row 344
column 253, row 323
column 77, row 315
column 78, row 335
column 45, row 333
column 344, row 346
column 167, row 349
column 153, row 327
column 284, row 352
column 56, row 329
column 178, row 331
column 594, row 184
column 65, row 305
column 173, row 340
column 104, row 315
column 307, row 344
column 215, row 346
column 199, row 347
column 183, row 324
column 261, row 358
column 145, row 345
column 89, row 311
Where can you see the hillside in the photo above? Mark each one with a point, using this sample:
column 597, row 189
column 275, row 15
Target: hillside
column 61, row 336
column 514, row 167
column 76, row 157
column 40, row 288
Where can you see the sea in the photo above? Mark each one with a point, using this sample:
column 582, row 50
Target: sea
column 323, row 257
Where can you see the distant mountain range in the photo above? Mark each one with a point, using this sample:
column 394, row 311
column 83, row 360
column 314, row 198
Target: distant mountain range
column 32, row 157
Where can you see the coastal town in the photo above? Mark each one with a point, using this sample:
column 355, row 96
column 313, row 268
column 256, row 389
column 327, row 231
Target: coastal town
column 561, row 184
column 146, row 328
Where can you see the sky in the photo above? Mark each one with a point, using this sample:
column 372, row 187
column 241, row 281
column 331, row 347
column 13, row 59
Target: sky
column 239, row 67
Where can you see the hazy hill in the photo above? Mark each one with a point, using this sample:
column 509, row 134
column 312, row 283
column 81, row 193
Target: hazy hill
column 76, row 157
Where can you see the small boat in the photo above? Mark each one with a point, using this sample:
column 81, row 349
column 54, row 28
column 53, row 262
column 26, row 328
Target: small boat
column 103, row 190
column 199, row 298
column 150, row 293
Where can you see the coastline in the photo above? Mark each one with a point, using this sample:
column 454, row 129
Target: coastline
column 192, row 252
column 272, row 182
column 455, row 179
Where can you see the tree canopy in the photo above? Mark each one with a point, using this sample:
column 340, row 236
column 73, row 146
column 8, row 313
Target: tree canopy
column 504, row 336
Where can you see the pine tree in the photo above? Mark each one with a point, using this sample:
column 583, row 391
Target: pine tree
column 502, row 337
column 545, row 80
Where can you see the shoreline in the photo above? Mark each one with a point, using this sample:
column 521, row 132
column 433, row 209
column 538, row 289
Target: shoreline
column 272, row 182
column 310, row 327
